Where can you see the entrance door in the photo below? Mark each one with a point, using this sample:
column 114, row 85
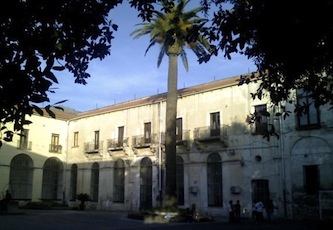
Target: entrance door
column 260, row 191
column 146, row 184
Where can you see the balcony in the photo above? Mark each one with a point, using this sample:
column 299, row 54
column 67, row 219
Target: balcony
column 116, row 144
column 207, row 135
column 93, row 147
column 181, row 139
column 55, row 148
column 24, row 145
column 141, row 141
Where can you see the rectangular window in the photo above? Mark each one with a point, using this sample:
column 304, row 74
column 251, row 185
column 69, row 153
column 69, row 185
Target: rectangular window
column 308, row 116
column 311, row 179
column 261, row 119
column 121, row 136
column 147, row 134
column 96, row 140
column 24, row 143
column 215, row 124
column 179, row 129
column 54, row 143
column 76, row 139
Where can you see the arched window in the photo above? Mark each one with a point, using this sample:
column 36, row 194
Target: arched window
column 214, row 180
column 94, row 181
column 146, row 183
column 180, row 179
column 119, row 181
column 52, row 179
column 73, row 183
column 21, row 171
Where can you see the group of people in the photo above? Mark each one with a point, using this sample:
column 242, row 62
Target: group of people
column 234, row 212
column 258, row 210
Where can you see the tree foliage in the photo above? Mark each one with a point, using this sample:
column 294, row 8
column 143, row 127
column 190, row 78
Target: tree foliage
column 40, row 38
column 176, row 28
column 289, row 41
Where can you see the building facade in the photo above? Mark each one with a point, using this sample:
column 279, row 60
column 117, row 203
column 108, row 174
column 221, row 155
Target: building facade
column 116, row 154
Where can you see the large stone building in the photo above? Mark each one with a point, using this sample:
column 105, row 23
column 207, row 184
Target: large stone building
column 115, row 154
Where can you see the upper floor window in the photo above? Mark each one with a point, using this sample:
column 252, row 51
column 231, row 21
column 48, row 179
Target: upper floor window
column 55, row 147
column 179, row 129
column 147, row 134
column 76, row 139
column 23, row 143
column 308, row 114
column 261, row 118
column 96, row 140
column 121, row 135
column 215, row 124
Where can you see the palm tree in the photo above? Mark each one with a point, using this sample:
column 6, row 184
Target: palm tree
column 174, row 31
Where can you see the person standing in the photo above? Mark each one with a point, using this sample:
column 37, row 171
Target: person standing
column 259, row 210
column 254, row 211
column 5, row 201
column 270, row 210
column 237, row 211
column 231, row 212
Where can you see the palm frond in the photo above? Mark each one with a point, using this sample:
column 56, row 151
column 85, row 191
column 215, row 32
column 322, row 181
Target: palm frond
column 152, row 43
column 146, row 29
column 173, row 29
column 161, row 55
column 183, row 55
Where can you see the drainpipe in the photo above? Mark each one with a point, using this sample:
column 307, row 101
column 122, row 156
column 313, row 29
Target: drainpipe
column 66, row 167
column 160, row 153
column 283, row 173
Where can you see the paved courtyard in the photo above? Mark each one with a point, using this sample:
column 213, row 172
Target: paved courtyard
column 98, row 220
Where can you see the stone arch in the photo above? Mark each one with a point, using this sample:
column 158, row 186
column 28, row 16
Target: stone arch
column 52, row 179
column 146, row 183
column 214, row 179
column 20, row 177
column 119, row 181
column 94, row 182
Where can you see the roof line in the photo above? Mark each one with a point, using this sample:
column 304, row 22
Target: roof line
column 209, row 86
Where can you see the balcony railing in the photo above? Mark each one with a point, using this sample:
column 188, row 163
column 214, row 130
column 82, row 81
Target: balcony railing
column 115, row 144
column 24, row 145
column 207, row 133
column 180, row 138
column 142, row 141
column 93, row 147
column 55, row 148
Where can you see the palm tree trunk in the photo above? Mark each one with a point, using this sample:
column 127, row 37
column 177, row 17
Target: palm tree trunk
column 170, row 137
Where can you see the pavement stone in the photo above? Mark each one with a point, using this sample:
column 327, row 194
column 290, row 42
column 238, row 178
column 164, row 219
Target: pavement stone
column 118, row 220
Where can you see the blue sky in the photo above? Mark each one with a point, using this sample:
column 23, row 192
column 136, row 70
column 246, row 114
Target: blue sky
column 128, row 73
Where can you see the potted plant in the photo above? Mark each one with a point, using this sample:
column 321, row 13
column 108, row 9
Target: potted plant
column 83, row 197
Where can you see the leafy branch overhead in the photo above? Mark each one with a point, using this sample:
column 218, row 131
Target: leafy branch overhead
column 41, row 38
column 290, row 46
